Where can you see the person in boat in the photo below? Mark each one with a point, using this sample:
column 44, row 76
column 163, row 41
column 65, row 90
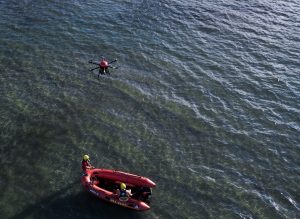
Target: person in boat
column 85, row 163
column 123, row 193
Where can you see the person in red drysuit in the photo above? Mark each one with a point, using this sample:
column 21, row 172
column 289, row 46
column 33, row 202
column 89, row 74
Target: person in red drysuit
column 85, row 163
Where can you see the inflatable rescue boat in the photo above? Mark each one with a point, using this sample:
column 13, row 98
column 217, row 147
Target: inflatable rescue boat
column 104, row 184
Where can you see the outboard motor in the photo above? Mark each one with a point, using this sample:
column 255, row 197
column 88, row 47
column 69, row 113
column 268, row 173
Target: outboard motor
column 145, row 194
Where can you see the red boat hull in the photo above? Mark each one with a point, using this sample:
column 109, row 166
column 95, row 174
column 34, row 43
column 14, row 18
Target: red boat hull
column 96, row 182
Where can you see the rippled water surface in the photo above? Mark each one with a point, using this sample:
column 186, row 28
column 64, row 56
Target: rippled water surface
column 205, row 102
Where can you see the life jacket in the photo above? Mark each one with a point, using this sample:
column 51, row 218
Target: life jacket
column 123, row 195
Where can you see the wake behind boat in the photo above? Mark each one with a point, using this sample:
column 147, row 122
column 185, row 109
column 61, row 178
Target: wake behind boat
column 104, row 184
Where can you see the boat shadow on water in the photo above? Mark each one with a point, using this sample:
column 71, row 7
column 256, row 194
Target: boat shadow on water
column 64, row 204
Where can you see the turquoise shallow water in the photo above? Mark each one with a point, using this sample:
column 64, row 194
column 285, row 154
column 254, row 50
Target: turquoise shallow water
column 205, row 102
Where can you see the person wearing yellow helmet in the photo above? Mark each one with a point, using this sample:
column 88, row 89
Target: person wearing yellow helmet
column 85, row 163
column 123, row 193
